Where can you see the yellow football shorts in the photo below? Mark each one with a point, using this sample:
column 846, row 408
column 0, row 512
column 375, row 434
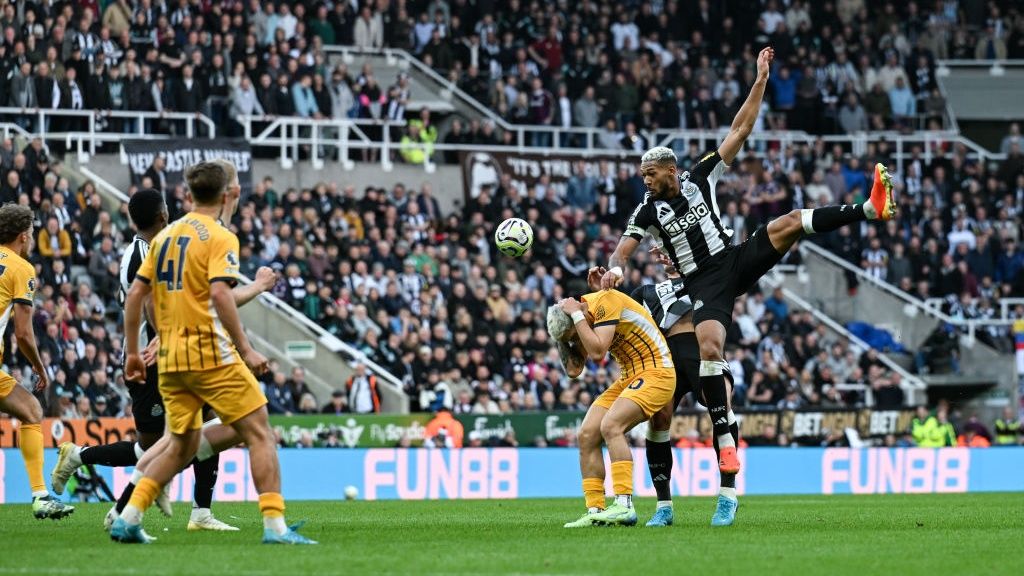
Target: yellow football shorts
column 7, row 384
column 231, row 390
column 650, row 389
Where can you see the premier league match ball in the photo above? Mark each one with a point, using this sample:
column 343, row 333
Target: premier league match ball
column 513, row 237
column 351, row 492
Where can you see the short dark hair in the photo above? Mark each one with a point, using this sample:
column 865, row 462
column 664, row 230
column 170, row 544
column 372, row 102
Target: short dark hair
column 206, row 181
column 14, row 220
column 145, row 208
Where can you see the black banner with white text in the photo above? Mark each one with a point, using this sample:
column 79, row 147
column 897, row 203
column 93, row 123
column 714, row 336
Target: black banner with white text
column 180, row 153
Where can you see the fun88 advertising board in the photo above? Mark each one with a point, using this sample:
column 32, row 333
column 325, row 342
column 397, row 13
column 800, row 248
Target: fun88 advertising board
column 476, row 473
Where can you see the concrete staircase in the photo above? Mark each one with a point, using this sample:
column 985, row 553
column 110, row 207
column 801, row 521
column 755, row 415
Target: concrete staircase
column 987, row 379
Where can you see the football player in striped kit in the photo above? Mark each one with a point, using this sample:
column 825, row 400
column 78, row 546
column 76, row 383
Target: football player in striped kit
column 681, row 214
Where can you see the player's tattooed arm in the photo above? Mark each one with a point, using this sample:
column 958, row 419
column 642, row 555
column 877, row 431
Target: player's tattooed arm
column 572, row 356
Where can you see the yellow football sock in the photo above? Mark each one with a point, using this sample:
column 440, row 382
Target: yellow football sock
column 31, row 444
column 622, row 477
column 593, row 491
column 145, row 493
column 272, row 505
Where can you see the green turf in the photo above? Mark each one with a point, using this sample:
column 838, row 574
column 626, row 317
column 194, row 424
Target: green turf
column 862, row 535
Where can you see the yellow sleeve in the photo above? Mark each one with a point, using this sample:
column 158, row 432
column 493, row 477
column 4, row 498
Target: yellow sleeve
column 23, row 284
column 605, row 307
column 223, row 263
column 147, row 269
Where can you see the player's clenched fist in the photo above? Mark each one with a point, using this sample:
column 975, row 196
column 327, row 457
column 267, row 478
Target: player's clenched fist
column 134, row 369
column 256, row 362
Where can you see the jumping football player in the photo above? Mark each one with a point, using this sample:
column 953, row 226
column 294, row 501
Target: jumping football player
column 681, row 214
column 17, row 298
column 609, row 321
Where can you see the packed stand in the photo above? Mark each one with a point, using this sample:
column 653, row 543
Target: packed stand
column 424, row 294
column 78, row 319
column 623, row 68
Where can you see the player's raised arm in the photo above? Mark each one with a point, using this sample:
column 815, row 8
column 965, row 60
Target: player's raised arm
column 743, row 124
column 619, row 260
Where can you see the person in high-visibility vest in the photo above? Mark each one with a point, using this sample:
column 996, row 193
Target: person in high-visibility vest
column 945, row 433
column 925, row 429
column 1008, row 428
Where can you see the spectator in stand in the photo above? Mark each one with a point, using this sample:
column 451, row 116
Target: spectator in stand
column 363, row 397
column 338, row 404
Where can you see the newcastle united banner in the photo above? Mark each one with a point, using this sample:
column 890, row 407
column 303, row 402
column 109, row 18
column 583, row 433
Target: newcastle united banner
column 481, row 169
column 181, row 153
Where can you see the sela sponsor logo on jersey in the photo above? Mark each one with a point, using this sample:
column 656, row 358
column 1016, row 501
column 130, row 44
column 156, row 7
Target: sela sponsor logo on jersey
column 157, row 410
column 692, row 218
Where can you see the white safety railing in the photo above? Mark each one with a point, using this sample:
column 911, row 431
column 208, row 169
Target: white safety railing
column 93, row 134
column 103, row 185
column 1005, row 306
column 971, row 326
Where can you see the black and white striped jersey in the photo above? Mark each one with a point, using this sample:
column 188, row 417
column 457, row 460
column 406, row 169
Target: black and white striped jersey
column 666, row 301
column 130, row 262
column 688, row 227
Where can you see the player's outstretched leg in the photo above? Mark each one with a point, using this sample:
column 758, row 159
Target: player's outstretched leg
column 591, row 466
column 71, row 457
column 659, row 464
column 18, row 402
column 785, row 230
column 624, row 414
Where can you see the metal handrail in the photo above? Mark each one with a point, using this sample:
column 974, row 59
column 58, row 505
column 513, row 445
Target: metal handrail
column 971, row 325
column 1004, row 305
column 909, row 382
column 100, row 182
column 425, row 70
column 93, row 135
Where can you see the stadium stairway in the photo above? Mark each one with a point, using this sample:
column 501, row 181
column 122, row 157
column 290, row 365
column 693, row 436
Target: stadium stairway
column 425, row 89
column 986, row 381
column 276, row 329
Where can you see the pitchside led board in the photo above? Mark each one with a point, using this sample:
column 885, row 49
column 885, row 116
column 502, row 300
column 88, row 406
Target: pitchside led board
column 474, row 473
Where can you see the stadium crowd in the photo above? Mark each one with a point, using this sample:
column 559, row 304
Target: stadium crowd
column 625, row 68
column 422, row 292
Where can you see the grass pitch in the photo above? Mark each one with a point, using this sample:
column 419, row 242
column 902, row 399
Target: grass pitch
column 834, row 535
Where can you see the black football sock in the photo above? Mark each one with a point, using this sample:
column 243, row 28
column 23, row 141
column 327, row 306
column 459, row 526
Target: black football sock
column 830, row 218
column 117, row 454
column 712, row 386
column 206, row 478
column 126, row 495
column 659, row 464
